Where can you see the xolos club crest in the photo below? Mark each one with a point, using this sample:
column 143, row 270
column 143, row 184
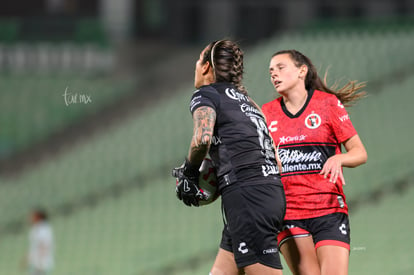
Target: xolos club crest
column 313, row 121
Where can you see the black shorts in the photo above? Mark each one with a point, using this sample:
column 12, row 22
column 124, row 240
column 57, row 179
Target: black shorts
column 253, row 216
column 332, row 229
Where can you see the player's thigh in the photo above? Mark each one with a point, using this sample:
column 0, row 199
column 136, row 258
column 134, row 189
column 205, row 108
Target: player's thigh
column 259, row 269
column 300, row 255
column 225, row 264
column 333, row 260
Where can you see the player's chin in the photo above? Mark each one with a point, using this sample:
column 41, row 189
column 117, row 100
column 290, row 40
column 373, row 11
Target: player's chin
column 278, row 89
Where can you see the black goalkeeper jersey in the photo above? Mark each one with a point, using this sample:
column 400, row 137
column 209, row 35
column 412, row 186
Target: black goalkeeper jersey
column 242, row 149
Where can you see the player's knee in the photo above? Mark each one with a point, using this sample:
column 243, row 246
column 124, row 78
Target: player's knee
column 218, row 271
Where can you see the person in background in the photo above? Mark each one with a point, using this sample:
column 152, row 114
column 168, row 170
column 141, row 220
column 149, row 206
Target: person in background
column 40, row 257
column 309, row 124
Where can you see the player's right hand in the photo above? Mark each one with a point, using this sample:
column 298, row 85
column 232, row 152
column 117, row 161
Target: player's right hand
column 187, row 188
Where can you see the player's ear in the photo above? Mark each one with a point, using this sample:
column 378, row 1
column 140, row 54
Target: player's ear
column 205, row 67
column 303, row 71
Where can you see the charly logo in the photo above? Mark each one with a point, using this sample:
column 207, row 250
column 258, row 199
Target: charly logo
column 270, row 251
column 313, row 121
column 272, row 126
column 342, row 228
column 242, row 248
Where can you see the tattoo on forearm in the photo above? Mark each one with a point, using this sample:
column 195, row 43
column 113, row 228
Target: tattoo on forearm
column 204, row 119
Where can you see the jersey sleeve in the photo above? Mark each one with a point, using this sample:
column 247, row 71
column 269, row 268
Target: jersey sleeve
column 269, row 108
column 341, row 123
column 204, row 97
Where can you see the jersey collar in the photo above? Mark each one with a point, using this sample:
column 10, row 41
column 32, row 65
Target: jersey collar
column 289, row 114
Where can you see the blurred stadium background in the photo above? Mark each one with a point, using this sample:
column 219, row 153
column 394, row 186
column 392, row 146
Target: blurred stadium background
column 94, row 114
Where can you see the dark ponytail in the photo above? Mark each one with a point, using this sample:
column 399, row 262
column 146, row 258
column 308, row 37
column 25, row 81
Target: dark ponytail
column 226, row 59
column 348, row 94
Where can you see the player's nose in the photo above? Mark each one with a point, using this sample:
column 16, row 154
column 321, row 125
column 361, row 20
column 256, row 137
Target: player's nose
column 273, row 75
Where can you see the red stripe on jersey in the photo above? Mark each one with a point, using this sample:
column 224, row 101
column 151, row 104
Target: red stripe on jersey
column 309, row 143
column 300, row 173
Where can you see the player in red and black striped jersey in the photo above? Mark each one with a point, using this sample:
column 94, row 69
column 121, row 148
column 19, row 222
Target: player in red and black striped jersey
column 309, row 124
column 315, row 134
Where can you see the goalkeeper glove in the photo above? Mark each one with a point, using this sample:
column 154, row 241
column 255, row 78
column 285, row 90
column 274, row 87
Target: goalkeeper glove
column 187, row 188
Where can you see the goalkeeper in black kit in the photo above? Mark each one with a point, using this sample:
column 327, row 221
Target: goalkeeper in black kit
column 243, row 154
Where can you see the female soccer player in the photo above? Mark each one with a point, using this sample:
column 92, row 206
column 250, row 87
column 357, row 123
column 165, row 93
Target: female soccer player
column 231, row 128
column 309, row 123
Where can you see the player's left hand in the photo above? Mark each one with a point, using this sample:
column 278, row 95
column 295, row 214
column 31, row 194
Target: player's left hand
column 333, row 169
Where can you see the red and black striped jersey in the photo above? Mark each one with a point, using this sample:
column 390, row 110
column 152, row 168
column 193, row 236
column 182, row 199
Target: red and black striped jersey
column 305, row 141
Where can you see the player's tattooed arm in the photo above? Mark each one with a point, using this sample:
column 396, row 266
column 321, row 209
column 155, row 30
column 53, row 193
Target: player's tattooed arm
column 204, row 119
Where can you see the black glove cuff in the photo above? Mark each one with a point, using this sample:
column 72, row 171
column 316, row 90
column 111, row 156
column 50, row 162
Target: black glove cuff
column 190, row 170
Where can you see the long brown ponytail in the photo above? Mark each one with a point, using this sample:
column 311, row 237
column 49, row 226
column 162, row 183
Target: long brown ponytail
column 348, row 94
